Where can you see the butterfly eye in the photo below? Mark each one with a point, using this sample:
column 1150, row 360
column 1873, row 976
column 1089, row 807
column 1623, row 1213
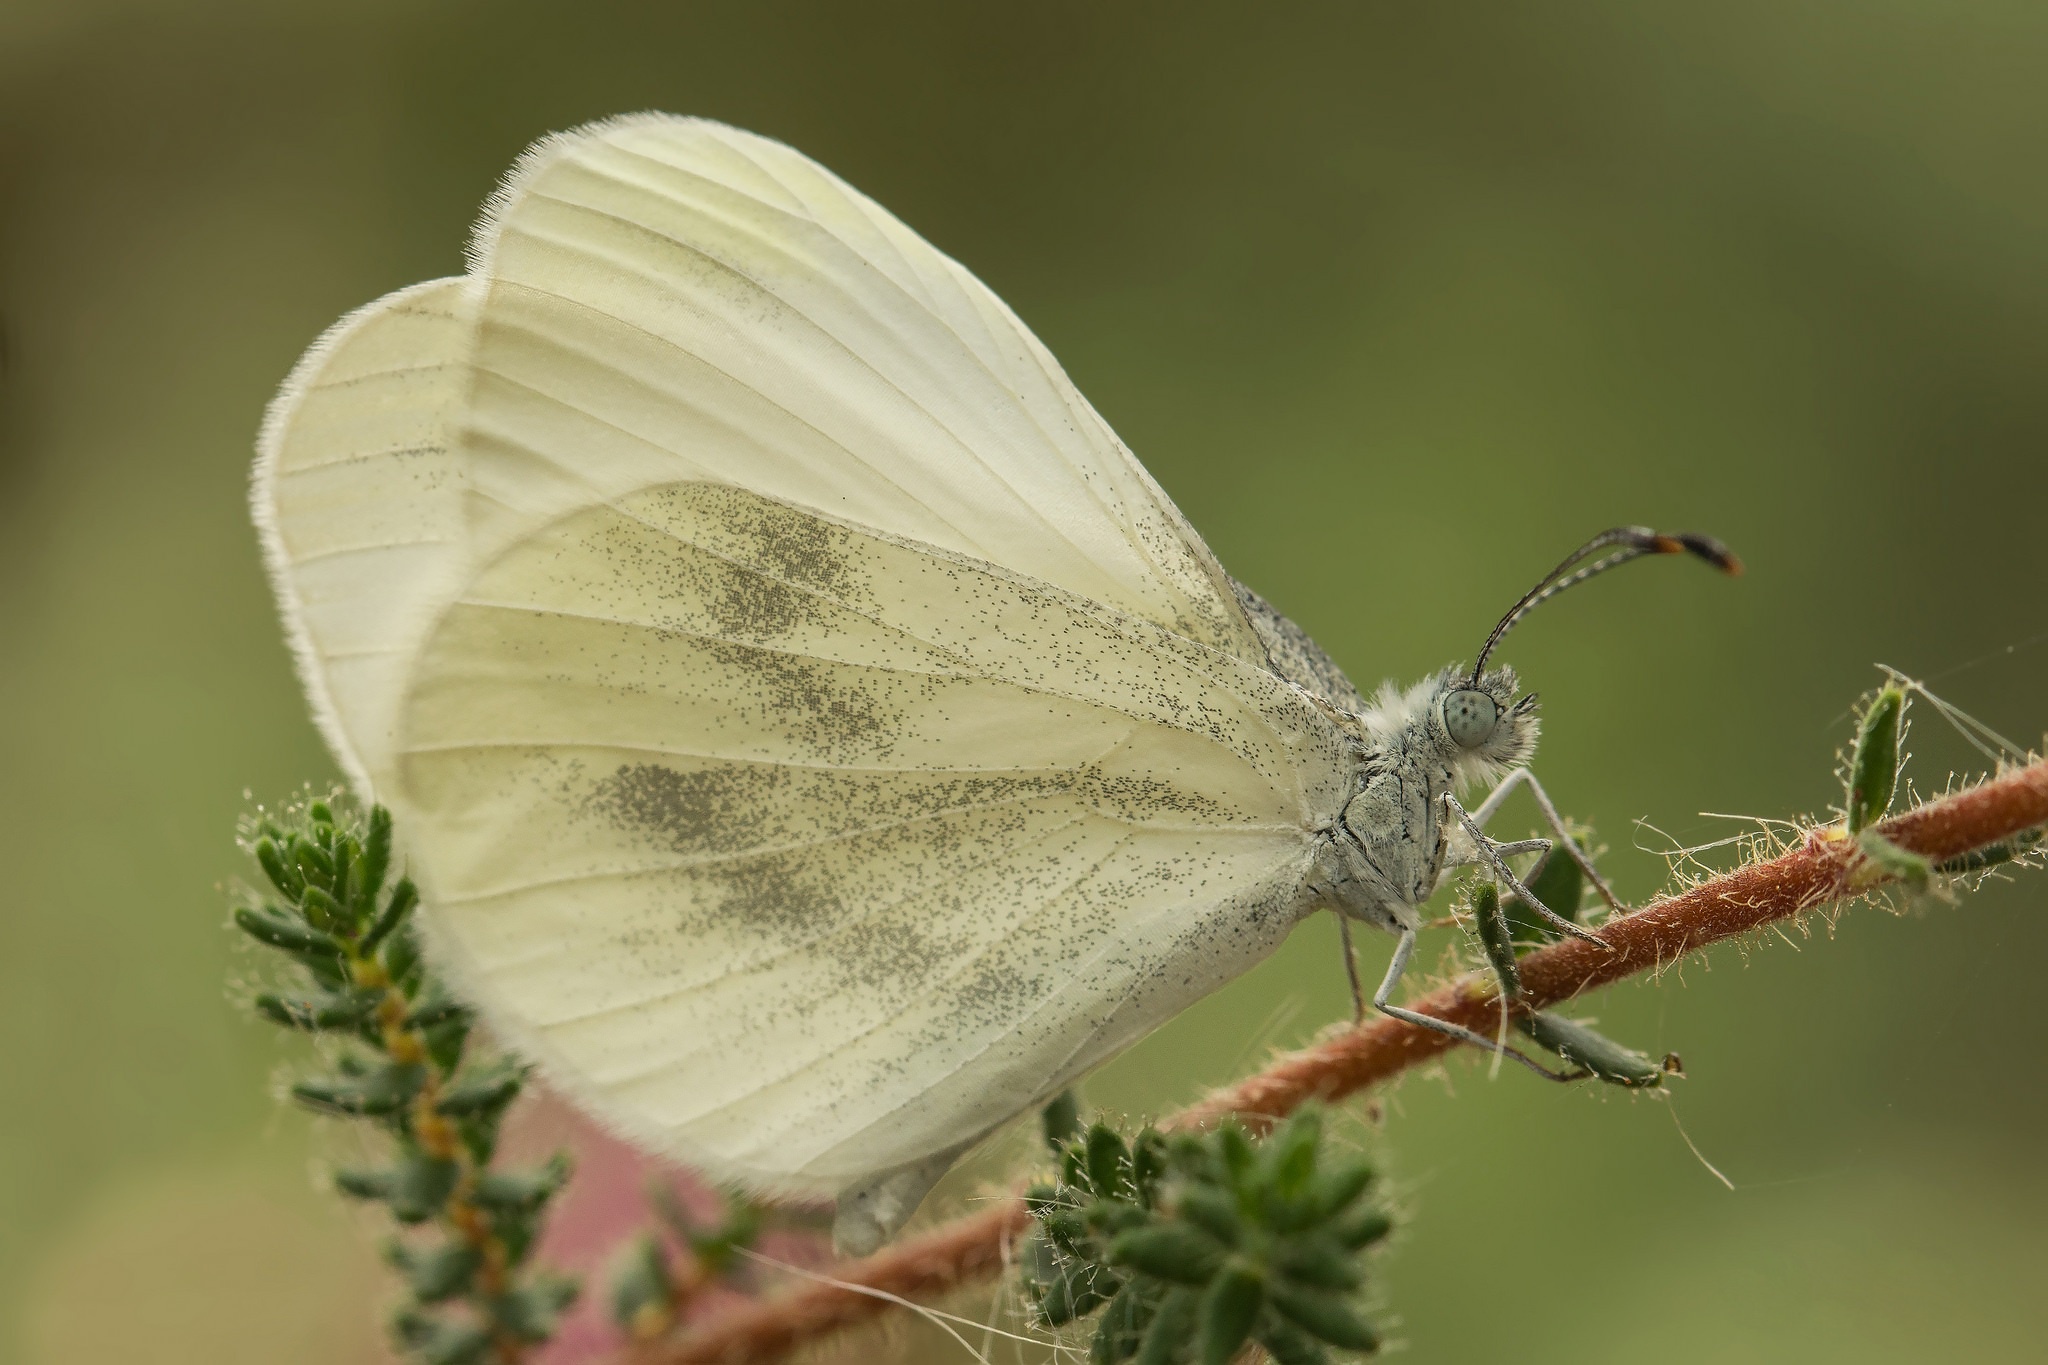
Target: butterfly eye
column 1470, row 716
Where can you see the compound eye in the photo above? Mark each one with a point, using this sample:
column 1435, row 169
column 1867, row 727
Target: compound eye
column 1470, row 716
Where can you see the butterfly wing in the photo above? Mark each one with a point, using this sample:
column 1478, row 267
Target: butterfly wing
column 817, row 736
column 804, row 852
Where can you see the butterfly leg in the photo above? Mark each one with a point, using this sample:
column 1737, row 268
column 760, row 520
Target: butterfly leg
column 1524, row 777
column 1358, row 1001
column 1384, row 994
column 1495, row 855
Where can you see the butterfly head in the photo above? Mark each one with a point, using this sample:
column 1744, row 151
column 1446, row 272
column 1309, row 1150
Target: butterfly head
column 1478, row 725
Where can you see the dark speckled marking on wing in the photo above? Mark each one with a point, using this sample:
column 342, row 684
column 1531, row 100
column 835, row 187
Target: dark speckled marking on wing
column 771, row 827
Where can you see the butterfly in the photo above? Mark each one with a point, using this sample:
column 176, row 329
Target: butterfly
column 816, row 737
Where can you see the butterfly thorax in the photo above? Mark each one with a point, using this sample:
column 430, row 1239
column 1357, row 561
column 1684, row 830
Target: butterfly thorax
column 1389, row 847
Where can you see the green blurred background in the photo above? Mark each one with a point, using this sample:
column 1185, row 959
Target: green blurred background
column 1398, row 302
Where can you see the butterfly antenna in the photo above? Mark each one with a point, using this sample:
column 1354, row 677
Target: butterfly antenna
column 1634, row 543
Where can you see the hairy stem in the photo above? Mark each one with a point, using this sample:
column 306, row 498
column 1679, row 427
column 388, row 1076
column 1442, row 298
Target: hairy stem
column 1824, row 869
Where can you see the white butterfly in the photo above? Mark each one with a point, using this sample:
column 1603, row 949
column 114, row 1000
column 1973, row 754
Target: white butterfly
column 816, row 737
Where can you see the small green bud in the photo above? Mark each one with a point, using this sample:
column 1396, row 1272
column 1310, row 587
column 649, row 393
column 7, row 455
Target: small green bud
column 1108, row 1160
column 1148, row 1163
column 1229, row 1308
column 1236, row 1150
column 319, row 813
column 1890, row 860
column 1168, row 1251
column 1874, row 762
column 1061, row 1119
column 445, row 1040
column 1324, row 1316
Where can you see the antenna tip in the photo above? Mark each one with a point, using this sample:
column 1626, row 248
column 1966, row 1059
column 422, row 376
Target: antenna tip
column 1703, row 547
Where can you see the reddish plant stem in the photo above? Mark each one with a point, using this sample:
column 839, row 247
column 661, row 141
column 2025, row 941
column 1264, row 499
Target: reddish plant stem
column 1823, row 869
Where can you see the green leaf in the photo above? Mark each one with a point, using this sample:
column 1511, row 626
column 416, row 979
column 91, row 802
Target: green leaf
column 404, row 897
column 1172, row 1330
column 1317, row 1261
column 364, row 1184
column 1075, row 1292
column 319, row 1011
column 1327, row 1317
column 642, row 1287
column 1148, row 1163
column 1212, row 1211
column 1558, row 883
column 271, row 859
column 420, row 1186
column 374, row 863
column 521, row 1190
column 1874, row 762
column 1229, row 1308
column 402, row 961
column 1332, row 1192
column 1289, row 1345
column 1174, row 1252
column 1362, row 1228
column 435, row 1341
column 437, row 1273
column 294, row 935
column 379, row 1091
column 445, row 1041
column 1123, row 1323
column 1287, row 1158
column 315, row 865
column 1991, row 855
column 1061, row 1119
column 529, row 1312
column 481, row 1093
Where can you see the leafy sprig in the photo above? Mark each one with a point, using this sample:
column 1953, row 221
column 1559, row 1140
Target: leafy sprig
column 1194, row 1245
column 402, row 1061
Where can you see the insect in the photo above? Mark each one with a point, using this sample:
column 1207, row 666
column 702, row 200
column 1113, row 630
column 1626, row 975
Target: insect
column 816, row 738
